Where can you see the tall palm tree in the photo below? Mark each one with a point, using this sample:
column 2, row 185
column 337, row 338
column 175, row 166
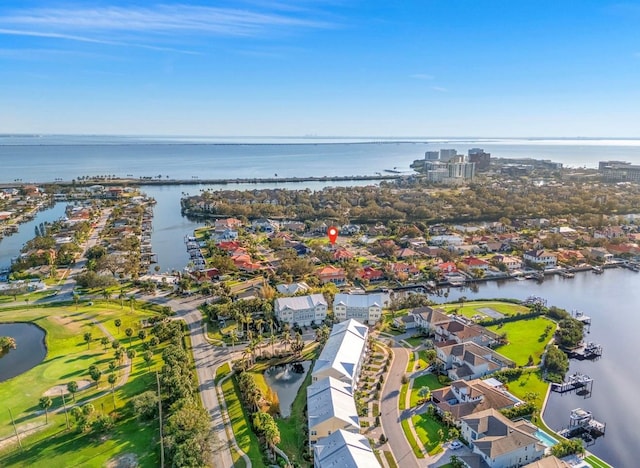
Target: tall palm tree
column 286, row 339
column 45, row 404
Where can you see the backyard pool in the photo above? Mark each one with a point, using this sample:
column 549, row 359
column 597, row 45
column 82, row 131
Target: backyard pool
column 545, row 438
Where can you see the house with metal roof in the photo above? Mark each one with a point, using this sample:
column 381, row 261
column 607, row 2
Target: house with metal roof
column 301, row 310
column 344, row 449
column 365, row 308
column 330, row 407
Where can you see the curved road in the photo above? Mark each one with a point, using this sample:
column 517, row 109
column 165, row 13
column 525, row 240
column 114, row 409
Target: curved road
column 390, row 413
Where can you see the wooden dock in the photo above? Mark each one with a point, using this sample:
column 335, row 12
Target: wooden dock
column 575, row 382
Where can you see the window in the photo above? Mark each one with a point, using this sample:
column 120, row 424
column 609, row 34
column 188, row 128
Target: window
column 314, row 433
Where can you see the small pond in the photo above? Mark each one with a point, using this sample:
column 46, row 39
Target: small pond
column 30, row 349
column 285, row 380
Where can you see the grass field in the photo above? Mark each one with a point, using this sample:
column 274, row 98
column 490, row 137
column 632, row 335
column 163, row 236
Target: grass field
column 292, row 429
column 525, row 338
column 470, row 309
column 68, row 359
column 529, row 382
column 427, row 428
column 596, row 462
column 427, row 380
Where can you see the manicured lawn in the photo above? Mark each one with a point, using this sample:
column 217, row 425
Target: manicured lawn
column 411, row 362
column 469, row 309
column 422, row 359
column 68, row 359
column 596, row 462
column 412, row 441
column 245, row 437
column 222, row 371
column 427, row 380
column 390, row 461
column 529, row 382
column 414, row 341
column 427, row 429
column 526, row 338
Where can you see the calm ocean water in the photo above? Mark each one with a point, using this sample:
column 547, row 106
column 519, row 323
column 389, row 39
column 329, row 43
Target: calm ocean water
column 47, row 158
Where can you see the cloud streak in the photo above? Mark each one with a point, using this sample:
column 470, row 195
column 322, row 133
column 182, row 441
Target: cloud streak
column 157, row 22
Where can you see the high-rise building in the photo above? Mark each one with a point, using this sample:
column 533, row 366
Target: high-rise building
column 480, row 158
column 447, row 154
column 431, row 155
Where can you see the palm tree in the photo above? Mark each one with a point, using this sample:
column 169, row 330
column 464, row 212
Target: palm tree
column 87, row 338
column 142, row 335
column 117, row 323
column 45, row 404
column 106, row 294
column 104, row 341
column 129, row 332
column 112, row 380
column 286, row 339
column 148, row 358
column 131, row 353
column 72, row 387
column 272, row 341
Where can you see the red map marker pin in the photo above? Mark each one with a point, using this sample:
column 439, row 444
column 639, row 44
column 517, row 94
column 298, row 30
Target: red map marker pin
column 332, row 232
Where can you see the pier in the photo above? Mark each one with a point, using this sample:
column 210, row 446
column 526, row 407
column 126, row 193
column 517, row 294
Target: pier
column 583, row 425
column 576, row 382
column 585, row 351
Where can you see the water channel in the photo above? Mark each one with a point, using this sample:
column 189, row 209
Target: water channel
column 285, row 380
column 611, row 301
column 30, row 349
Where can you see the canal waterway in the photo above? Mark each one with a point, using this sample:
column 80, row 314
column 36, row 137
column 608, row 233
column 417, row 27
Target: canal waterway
column 611, row 300
column 30, row 349
column 10, row 246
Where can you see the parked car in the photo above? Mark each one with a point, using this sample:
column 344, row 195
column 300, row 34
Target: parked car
column 455, row 445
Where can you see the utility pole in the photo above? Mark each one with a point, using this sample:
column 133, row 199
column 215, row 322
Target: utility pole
column 160, row 414
column 14, row 429
column 64, row 403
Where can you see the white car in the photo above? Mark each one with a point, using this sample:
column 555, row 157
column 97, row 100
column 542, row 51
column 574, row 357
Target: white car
column 455, row 445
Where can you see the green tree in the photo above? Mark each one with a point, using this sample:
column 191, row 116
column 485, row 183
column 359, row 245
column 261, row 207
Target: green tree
column 45, row 403
column 72, row 387
column 142, row 335
column 104, row 341
column 118, row 323
column 129, row 332
column 87, row 339
column 148, row 358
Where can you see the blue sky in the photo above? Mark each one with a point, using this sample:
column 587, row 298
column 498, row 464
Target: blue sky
column 326, row 68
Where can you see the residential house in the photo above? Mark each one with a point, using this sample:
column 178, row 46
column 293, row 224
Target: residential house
column 466, row 361
column 474, row 263
column 447, row 268
column 295, row 226
column 343, row 449
column 301, row 310
column 541, row 257
column 463, row 398
column 341, row 254
column 429, row 318
column 371, row 274
column 404, row 268
column 222, row 225
column 499, row 442
column 330, row 407
column 365, row 308
column 331, row 274
column 598, row 253
column 511, row 262
column 293, row 288
column 446, row 239
column 264, row 225
column 555, row 462
column 343, row 353
column 406, row 253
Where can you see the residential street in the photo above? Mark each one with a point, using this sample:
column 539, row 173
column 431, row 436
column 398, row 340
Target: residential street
column 390, row 413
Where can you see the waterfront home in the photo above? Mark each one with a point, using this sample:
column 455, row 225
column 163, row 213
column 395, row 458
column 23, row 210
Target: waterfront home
column 365, row 308
column 221, row 225
column 344, row 449
column 447, row 267
column 474, row 263
column 499, row 442
column 301, row 310
column 541, row 257
column 330, row 407
column 511, row 262
column 331, row 274
column 466, row 361
column 406, row 268
column 343, row 353
column 555, row 462
column 463, row 398
column 598, row 253
column 428, row 318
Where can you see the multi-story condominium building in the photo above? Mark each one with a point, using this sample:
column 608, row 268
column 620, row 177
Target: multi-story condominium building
column 345, row 450
column 365, row 308
column 301, row 310
column 330, row 407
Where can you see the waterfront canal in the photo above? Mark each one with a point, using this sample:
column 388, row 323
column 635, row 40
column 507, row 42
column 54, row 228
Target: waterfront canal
column 611, row 299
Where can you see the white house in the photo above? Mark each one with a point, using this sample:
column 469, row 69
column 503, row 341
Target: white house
column 343, row 353
column 446, row 239
column 292, row 288
column 511, row 262
column 499, row 442
column 365, row 308
column 345, row 450
column 330, row 407
column 541, row 257
column 302, row 310
column 469, row 360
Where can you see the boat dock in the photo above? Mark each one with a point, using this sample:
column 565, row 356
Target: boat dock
column 583, row 425
column 585, row 351
column 576, row 382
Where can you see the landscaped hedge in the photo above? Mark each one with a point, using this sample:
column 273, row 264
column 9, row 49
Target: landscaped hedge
column 511, row 318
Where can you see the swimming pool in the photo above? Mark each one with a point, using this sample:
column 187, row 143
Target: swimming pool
column 545, row 438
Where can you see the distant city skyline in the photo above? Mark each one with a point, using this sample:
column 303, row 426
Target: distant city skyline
column 321, row 68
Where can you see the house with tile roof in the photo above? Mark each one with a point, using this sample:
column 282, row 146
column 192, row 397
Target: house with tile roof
column 331, row 274
column 302, row 310
column 343, row 449
column 541, row 257
column 330, row 407
column 499, row 442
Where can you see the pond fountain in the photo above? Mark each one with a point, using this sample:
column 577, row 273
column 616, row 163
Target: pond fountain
column 285, row 380
column 30, row 349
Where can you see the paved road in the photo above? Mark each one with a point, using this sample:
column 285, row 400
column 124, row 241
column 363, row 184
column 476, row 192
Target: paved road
column 207, row 358
column 391, row 414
